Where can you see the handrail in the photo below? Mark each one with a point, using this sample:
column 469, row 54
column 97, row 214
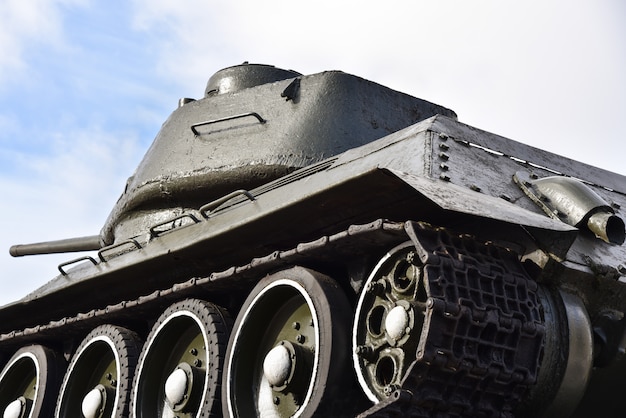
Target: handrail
column 67, row 263
column 155, row 233
column 218, row 202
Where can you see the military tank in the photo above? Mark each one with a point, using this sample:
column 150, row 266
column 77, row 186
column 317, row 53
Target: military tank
column 321, row 245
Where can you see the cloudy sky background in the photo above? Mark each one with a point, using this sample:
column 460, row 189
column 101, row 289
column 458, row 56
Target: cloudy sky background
column 86, row 84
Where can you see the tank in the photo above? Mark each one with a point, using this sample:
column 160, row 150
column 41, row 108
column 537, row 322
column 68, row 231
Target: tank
column 321, row 245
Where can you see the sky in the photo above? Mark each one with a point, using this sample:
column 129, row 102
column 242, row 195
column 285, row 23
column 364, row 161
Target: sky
column 86, row 84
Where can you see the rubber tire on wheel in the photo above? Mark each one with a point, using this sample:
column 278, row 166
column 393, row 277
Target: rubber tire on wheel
column 34, row 373
column 266, row 320
column 191, row 332
column 107, row 356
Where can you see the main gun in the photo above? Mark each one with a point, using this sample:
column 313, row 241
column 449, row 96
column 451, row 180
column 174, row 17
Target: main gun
column 89, row 243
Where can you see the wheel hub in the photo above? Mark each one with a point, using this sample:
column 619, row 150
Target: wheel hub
column 94, row 402
column 397, row 323
column 15, row 409
column 175, row 387
column 279, row 365
column 178, row 387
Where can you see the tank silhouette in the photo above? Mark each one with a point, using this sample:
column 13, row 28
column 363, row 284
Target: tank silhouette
column 321, row 245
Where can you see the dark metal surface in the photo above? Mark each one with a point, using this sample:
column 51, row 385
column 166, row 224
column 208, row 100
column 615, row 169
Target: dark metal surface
column 349, row 242
column 353, row 182
column 188, row 165
column 373, row 193
column 313, row 160
column 239, row 77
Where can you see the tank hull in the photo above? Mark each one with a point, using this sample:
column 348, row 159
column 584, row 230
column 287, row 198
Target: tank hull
column 422, row 250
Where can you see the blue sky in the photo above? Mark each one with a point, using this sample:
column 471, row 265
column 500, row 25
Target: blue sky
column 85, row 85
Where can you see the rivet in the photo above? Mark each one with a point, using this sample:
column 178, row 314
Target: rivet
column 389, row 389
column 444, row 156
column 300, row 338
column 276, row 400
column 197, row 362
column 193, row 352
column 374, row 288
column 295, row 325
column 363, row 351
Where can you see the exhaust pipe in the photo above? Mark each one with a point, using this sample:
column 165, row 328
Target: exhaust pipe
column 574, row 203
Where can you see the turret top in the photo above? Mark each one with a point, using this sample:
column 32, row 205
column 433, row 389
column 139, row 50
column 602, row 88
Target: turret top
column 239, row 77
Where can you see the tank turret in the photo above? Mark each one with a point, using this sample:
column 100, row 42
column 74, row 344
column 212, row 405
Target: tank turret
column 256, row 123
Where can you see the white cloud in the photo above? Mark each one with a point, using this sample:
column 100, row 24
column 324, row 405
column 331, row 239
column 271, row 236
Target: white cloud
column 59, row 196
column 27, row 23
column 185, row 38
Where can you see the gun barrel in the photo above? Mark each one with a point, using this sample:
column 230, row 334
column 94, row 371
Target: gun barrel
column 89, row 243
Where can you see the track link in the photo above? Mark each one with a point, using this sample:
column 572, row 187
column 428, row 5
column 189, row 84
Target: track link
column 482, row 338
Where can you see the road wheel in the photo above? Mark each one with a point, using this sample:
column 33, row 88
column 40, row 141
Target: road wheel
column 290, row 347
column 29, row 382
column 180, row 368
column 98, row 380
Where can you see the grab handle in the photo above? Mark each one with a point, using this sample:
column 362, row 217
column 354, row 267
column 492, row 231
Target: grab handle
column 210, row 122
